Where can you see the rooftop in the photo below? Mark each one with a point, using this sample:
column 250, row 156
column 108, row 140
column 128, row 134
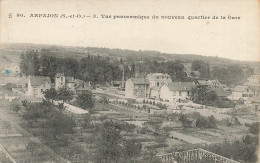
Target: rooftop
column 39, row 80
column 240, row 88
column 154, row 75
column 181, row 86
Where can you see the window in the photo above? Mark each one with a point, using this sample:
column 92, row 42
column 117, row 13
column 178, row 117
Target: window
column 62, row 79
column 188, row 93
column 245, row 95
column 163, row 77
column 158, row 84
column 167, row 77
column 157, row 77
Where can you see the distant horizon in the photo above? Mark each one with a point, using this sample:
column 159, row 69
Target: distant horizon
column 151, row 50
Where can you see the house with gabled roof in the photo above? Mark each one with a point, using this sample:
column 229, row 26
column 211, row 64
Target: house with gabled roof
column 137, row 88
column 242, row 92
column 80, row 86
column 64, row 81
column 37, row 85
column 176, row 91
column 157, row 80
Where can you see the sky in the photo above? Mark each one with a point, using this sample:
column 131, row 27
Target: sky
column 229, row 38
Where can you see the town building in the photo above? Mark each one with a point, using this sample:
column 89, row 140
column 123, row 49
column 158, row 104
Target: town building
column 116, row 84
column 157, row 80
column 176, row 91
column 137, row 88
column 36, row 86
column 203, row 83
column 10, row 77
column 215, row 84
column 80, row 86
column 64, row 81
column 242, row 92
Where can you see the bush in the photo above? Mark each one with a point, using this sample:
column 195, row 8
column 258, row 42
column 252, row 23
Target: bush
column 244, row 150
column 254, row 128
column 185, row 121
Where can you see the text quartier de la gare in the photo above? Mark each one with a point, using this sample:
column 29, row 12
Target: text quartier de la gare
column 144, row 17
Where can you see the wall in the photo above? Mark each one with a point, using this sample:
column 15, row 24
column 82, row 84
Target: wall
column 129, row 86
column 166, row 94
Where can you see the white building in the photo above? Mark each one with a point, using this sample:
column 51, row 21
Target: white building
column 157, row 80
column 176, row 91
column 137, row 88
column 37, row 85
column 64, row 81
column 242, row 92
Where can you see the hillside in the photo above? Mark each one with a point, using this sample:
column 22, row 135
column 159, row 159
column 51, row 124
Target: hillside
column 11, row 53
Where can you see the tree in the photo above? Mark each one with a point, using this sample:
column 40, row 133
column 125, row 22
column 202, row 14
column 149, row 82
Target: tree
column 32, row 147
column 131, row 149
column 33, row 112
column 15, row 107
column 185, row 121
column 59, row 124
column 254, row 128
column 29, row 64
column 85, row 100
column 212, row 122
column 202, row 122
column 50, row 94
column 109, row 148
column 202, row 67
column 64, row 94
column 133, row 70
column 48, row 65
column 150, row 154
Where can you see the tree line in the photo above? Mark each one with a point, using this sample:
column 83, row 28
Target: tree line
column 104, row 69
column 90, row 68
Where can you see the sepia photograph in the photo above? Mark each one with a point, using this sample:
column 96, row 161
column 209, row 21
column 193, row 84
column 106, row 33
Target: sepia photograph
column 131, row 81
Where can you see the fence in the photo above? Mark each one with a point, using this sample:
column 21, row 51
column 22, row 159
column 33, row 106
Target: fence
column 194, row 155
